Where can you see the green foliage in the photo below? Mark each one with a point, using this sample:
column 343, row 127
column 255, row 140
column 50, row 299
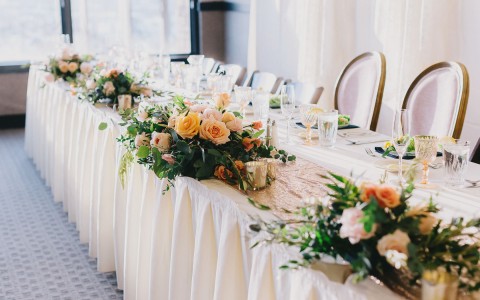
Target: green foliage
column 102, row 126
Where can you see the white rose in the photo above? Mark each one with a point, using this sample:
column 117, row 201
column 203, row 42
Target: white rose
column 86, row 68
column 63, row 66
column 397, row 241
column 91, row 84
column 210, row 112
column 142, row 140
column 72, row 67
column 108, row 88
column 161, row 141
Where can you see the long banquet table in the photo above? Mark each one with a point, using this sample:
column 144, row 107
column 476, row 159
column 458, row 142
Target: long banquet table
column 191, row 242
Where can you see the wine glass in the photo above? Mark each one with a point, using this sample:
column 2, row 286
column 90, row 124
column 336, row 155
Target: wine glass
column 287, row 104
column 401, row 138
column 309, row 116
column 425, row 151
column 243, row 95
column 176, row 67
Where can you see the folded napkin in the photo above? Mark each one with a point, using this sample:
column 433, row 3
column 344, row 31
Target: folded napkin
column 350, row 126
column 407, row 155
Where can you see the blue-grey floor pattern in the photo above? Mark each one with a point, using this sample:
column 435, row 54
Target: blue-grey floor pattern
column 40, row 253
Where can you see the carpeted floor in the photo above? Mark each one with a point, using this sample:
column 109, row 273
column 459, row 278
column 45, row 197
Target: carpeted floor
column 40, row 254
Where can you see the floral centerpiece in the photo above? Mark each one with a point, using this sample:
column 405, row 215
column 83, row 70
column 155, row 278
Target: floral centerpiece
column 195, row 140
column 375, row 229
column 112, row 83
column 68, row 66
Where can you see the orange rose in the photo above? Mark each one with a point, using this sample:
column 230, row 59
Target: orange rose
column 222, row 173
column 387, row 196
column 248, row 143
column 239, row 164
column 257, row 125
column 368, row 190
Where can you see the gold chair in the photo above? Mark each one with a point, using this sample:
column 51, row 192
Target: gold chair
column 359, row 89
column 437, row 100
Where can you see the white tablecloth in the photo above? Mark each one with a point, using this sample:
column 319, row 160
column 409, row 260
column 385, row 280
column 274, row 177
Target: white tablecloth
column 189, row 243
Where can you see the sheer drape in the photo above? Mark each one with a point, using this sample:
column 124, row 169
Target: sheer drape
column 313, row 41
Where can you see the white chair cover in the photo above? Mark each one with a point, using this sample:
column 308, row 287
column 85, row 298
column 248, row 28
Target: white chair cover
column 208, row 64
column 263, row 80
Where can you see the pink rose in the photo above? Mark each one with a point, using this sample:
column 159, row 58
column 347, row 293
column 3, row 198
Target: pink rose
column 49, row 77
column 142, row 113
column 198, row 108
column 235, row 125
column 86, row 68
column 91, row 84
column 352, row 228
column 142, row 140
column 168, row 158
column 210, row 112
column 161, row 141
column 108, row 88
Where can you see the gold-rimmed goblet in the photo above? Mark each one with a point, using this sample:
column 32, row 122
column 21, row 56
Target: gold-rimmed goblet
column 425, row 151
column 309, row 115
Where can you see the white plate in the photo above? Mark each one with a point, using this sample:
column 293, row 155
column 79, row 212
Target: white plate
column 391, row 165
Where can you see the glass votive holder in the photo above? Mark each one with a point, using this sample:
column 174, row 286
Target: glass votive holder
column 439, row 285
column 271, row 167
column 124, row 102
column 256, row 174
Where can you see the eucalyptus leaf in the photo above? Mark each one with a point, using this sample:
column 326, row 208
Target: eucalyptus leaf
column 102, row 126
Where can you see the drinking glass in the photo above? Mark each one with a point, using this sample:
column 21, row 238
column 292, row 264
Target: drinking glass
column 260, row 105
column 425, row 151
column 189, row 77
column 197, row 62
column 287, row 105
column 309, row 116
column 327, row 128
column 243, row 95
column 456, row 157
column 165, row 67
column 401, row 138
column 176, row 67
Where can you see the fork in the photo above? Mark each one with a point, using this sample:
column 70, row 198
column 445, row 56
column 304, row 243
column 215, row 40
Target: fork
column 370, row 152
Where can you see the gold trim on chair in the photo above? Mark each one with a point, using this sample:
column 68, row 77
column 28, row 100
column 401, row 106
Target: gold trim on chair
column 381, row 85
column 462, row 100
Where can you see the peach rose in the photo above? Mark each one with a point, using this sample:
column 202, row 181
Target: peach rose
column 66, row 54
column 235, row 125
column 103, row 72
column 222, row 173
column 214, row 131
column 352, row 228
column 248, row 143
column 387, row 196
column 171, row 121
column 147, row 92
column 368, row 190
column 227, row 117
column 397, row 241
column 108, row 88
column 72, row 67
column 257, row 125
column 427, row 219
column 63, row 66
column 142, row 140
column 49, row 77
column 161, row 141
column 222, row 100
column 187, row 126
column 142, row 113
column 113, row 73
column 86, row 68
column 168, row 158
column 210, row 112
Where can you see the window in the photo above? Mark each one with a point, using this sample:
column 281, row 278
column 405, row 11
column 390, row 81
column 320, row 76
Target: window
column 138, row 25
column 29, row 29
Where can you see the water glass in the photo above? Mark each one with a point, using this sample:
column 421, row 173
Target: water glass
column 456, row 157
column 243, row 96
column 176, row 67
column 189, row 76
column 287, row 105
column 327, row 128
column 165, row 67
column 261, row 105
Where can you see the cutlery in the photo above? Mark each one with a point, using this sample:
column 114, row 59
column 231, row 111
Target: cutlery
column 436, row 165
column 474, row 183
column 365, row 141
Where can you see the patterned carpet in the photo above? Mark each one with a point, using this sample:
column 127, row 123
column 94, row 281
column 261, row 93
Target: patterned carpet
column 40, row 254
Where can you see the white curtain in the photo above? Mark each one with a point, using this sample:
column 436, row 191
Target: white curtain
column 313, row 40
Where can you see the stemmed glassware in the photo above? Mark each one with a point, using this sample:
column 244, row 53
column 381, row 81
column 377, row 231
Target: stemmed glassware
column 243, row 95
column 401, row 138
column 287, row 104
column 176, row 67
column 309, row 116
column 425, row 151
